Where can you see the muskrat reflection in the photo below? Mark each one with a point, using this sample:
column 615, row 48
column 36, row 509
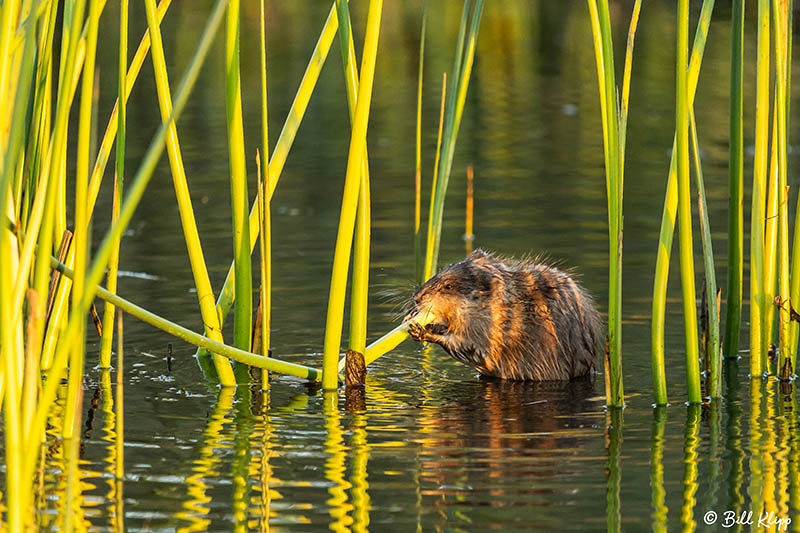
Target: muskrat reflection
column 497, row 434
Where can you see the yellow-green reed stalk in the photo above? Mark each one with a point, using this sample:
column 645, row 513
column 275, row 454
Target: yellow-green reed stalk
column 80, row 240
column 266, row 259
column 119, row 442
column 8, row 19
column 614, row 120
column 134, row 196
column 113, row 264
column 418, row 174
column 359, row 294
column 713, row 346
column 181, row 332
column 668, row 216
column 435, row 180
column 18, row 490
column 41, row 128
column 780, row 11
column 685, row 207
column 771, row 240
column 263, row 190
column 344, row 238
column 205, row 294
column 243, row 290
column 758, row 356
column 56, row 322
column 468, row 235
column 283, row 145
column 733, row 314
column 462, row 69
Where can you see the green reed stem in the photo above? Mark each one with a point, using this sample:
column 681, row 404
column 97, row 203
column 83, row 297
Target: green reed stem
column 58, row 316
column 668, row 216
column 771, row 244
column 604, row 57
column 205, row 294
column 418, row 175
column 713, row 345
column 263, row 188
column 119, row 181
column 18, row 486
column 758, row 356
column 358, row 298
column 82, row 236
column 785, row 348
column 685, row 208
column 224, row 350
column 462, row 69
column 344, row 238
column 733, row 314
column 282, row 147
column 243, row 312
column 103, row 253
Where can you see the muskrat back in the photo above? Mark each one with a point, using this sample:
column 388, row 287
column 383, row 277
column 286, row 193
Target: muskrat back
column 510, row 318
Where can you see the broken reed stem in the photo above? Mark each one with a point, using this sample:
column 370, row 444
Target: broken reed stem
column 468, row 235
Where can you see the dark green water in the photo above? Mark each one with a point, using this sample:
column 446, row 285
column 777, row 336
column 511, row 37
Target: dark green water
column 429, row 446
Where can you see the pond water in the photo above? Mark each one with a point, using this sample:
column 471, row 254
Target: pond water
column 428, row 446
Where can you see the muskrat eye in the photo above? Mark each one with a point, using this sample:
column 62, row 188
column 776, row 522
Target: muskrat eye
column 448, row 286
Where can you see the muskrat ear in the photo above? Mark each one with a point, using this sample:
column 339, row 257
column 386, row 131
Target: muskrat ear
column 478, row 256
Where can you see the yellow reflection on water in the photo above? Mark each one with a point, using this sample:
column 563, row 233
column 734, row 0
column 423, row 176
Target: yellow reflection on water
column 196, row 507
column 111, row 459
column 690, row 461
column 360, row 457
column 334, row 464
column 659, row 514
column 614, row 423
column 756, row 487
column 768, row 448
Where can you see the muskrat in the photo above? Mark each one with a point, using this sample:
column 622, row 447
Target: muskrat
column 510, row 318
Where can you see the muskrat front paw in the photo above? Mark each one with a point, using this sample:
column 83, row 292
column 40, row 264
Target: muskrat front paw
column 416, row 331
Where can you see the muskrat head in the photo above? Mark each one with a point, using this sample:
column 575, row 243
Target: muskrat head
column 452, row 295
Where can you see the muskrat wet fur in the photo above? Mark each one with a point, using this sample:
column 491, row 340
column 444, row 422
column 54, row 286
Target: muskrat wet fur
column 510, row 318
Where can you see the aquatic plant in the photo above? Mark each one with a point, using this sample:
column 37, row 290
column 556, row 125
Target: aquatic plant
column 615, row 118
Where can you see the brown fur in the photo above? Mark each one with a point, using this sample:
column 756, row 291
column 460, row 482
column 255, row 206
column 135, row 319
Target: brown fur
column 510, row 318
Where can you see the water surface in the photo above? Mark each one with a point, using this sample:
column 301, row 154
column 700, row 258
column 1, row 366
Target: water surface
column 428, row 446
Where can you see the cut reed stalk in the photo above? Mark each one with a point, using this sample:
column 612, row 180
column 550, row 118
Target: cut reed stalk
column 344, row 238
column 668, row 216
column 468, row 236
column 119, row 181
column 205, row 294
column 243, row 289
column 758, row 356
column 685, row 207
